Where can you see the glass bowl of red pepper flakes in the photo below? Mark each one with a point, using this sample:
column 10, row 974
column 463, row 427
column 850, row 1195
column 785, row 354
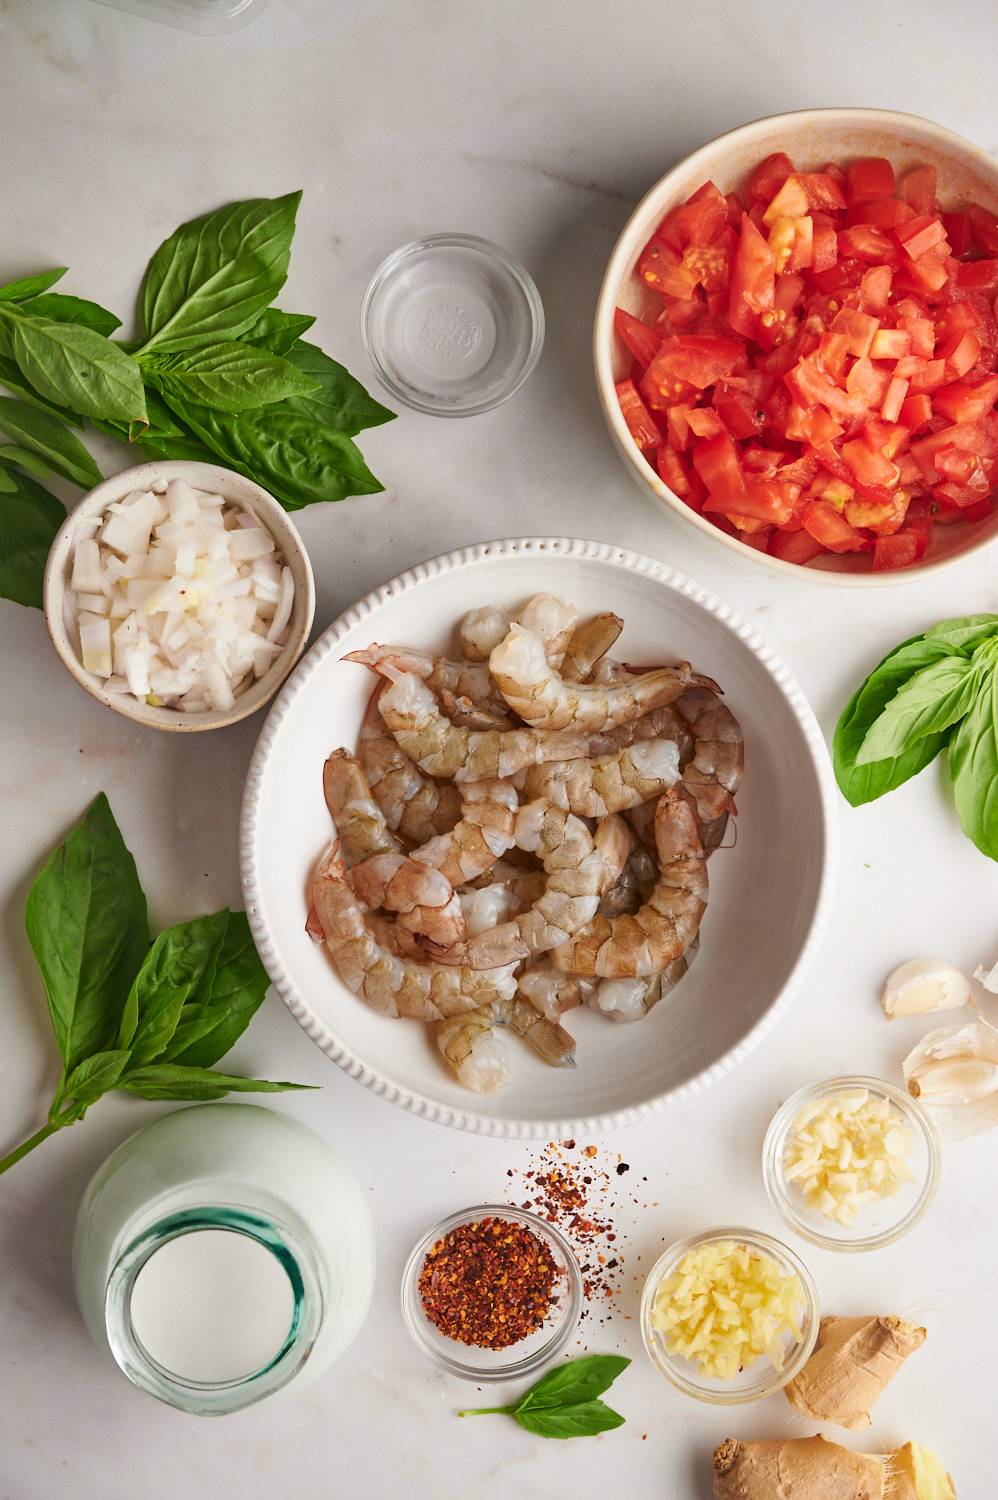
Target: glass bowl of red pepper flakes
column 492, row 1293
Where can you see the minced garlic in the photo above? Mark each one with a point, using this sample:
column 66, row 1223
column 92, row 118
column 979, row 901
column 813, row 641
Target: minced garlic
column 727, row 1304
column 847, row 1150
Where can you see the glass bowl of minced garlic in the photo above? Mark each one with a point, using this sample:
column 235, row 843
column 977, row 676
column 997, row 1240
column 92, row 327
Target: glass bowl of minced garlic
column 729, row 1315
column 851, row 1163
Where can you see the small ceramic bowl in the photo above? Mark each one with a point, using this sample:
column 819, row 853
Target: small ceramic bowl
column 218, row 481
column 811, row 137
column 523, row 1358
column 756, row 1380
column 879, row 1223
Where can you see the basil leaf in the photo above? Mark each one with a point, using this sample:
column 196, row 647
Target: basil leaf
column 865, row 783
column 94, row 1076
column 582, row 1420
column 30, row 286
column 228, row 376
column 29, row 520
column 973, row 763
column 45, row 435
column 87, row 925
column 182, row 447
column 168, row 1081
column 577, row 1381
column 73, row 310
column 929, row 702
column 341, row 401
column 228, row 998
column 11, row 377
column 966, row 632
column 11, row 454
column 298, row 460
column 276, row 330
column 215, row 274
column 77, row 368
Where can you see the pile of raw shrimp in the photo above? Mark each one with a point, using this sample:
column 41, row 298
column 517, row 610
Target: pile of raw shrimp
column 523, row 831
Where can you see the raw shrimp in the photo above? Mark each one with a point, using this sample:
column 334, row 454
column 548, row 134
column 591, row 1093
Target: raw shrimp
column 479, row 1057
column 551, row 992
column 631, row 999
column 394, row 985
column 596, row 787
column 579, row 868
column 647, row 942
column 415, row 808
column 465, row 690
column 714, row 774
column 535, row 691
column 589, row 644
column 481, row 630
column 443, row 749
column 484, row 833
column 663, row 723
column 635, row 882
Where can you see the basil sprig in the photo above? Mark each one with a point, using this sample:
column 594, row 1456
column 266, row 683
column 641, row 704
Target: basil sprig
column 564, row 1403
column 149, row 1019
column 217, row 374
column 938, row 690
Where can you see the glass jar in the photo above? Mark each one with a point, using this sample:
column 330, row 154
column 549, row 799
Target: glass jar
column 154, row 1224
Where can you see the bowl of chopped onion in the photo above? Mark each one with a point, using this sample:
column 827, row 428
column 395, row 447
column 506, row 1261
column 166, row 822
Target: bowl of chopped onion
column 180, row 595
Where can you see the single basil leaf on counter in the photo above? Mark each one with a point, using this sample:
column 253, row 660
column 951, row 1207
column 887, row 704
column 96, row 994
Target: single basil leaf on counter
column 11, row 377
column 297, row 459
column 341, row 402
column 228, row 376
column 582, row 1420
column 576, row 1381
column 229, row 997
column 966, row 632
column 94, row 1076
column 87, row 925
column 29, row 520
column 866, row 783
column 168, row 1081
column 276, row 330
column 73, row 310
column 31, row 286
column 46, row 436
column 973, row 763
column 216, row 274
column 11, row 454
column 929, row 702
column 77, row 367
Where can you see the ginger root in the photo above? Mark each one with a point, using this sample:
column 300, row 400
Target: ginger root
column 853, row 1361
column 810, row 1468
column 917, row 1474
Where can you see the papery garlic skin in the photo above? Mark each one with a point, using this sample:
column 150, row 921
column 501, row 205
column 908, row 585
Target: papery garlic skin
column 922, row 985
column 954, row 1073
column 987, row 977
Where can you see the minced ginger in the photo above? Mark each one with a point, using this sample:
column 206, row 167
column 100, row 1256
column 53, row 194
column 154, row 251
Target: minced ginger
column 725, row 1306
column 847, row 1150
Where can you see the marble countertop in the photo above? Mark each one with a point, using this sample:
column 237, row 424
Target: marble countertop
column 537, row 126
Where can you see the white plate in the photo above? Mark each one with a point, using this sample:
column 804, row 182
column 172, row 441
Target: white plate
column 769, row 895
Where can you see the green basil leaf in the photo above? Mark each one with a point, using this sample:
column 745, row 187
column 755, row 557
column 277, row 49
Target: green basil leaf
column 94, row 1076
column 229, row 996
column 29, row 520
column 973, row 763
column 341, row 401
column 168, row 1081
column 227, row 376
column 77, row 367
column 583, row 1420
column 31, row 286
column 575, row 1382
column 87, row 925
column 183, row 448
column 866, row 783
column 929, row 702
column 45, row 435
column 298, row 460
column 11, row 454
column 216, row 274
column 73, row 310
column 276, row 330
column 11, row 377
column 966, row 632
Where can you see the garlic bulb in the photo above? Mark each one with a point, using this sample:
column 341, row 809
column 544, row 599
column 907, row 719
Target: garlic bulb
column 922, row 985
column 954, row 1073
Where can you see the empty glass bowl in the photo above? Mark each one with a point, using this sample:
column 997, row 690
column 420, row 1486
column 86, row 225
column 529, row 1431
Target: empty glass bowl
column 452, row 324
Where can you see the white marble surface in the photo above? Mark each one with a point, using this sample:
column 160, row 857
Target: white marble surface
column 536, row 125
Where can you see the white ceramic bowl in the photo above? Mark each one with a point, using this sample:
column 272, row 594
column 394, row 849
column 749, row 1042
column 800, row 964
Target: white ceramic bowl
column 219, row 481
column 811, row 137
column 769, row 896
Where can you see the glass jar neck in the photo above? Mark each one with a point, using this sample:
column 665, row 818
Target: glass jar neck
column 215, row 1398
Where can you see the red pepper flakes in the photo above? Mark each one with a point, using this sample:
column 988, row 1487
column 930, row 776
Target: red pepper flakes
column 489, row 1283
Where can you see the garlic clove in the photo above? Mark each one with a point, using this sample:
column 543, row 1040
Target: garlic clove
column 954, row 1073
column 922, row 985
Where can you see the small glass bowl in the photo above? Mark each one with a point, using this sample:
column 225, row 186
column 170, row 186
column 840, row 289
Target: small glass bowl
column 759, row 1379
column 487, row 1365
column 452, row 324
column 878, row 1223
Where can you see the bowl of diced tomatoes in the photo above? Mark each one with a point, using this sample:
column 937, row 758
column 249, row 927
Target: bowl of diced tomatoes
column 796, row 344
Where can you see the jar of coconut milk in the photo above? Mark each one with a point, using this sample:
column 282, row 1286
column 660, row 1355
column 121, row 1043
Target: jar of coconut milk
column 222, row 1253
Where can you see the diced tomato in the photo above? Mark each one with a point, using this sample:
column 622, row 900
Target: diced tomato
column 824, row 192
column 858, row 327
column 697, row 359
column 890, row 552
column 677, row 426
column 959, row 232
column 867, row 384
column 885, row 213
column 978, row 276
column 637, row 337
column 882, row 517
column 920, row 527
column 867, row 467
column 866, row 242
column 893, row 400
column 870, row 177
column 753, row 279
column 918, row 187
column 661, row 268
column 960, row 351
column 819, row 426
column 930, row 378
column 716, row 461
column 963, row 402
column 769, row 176
column 875, row 289
column 704, row 422
column 830, row 529
column 765, row 500
column 979, row 511
column 926, row 274
column 795, row 546
column 672, row 471
column 740, row 414
column 791, row 202
column 637, row 416
column 919, row 235
column 985, row 228
column 890, row 343
column 824, row 246
column 700, row 220
column 883, row 436
column 915, row 412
